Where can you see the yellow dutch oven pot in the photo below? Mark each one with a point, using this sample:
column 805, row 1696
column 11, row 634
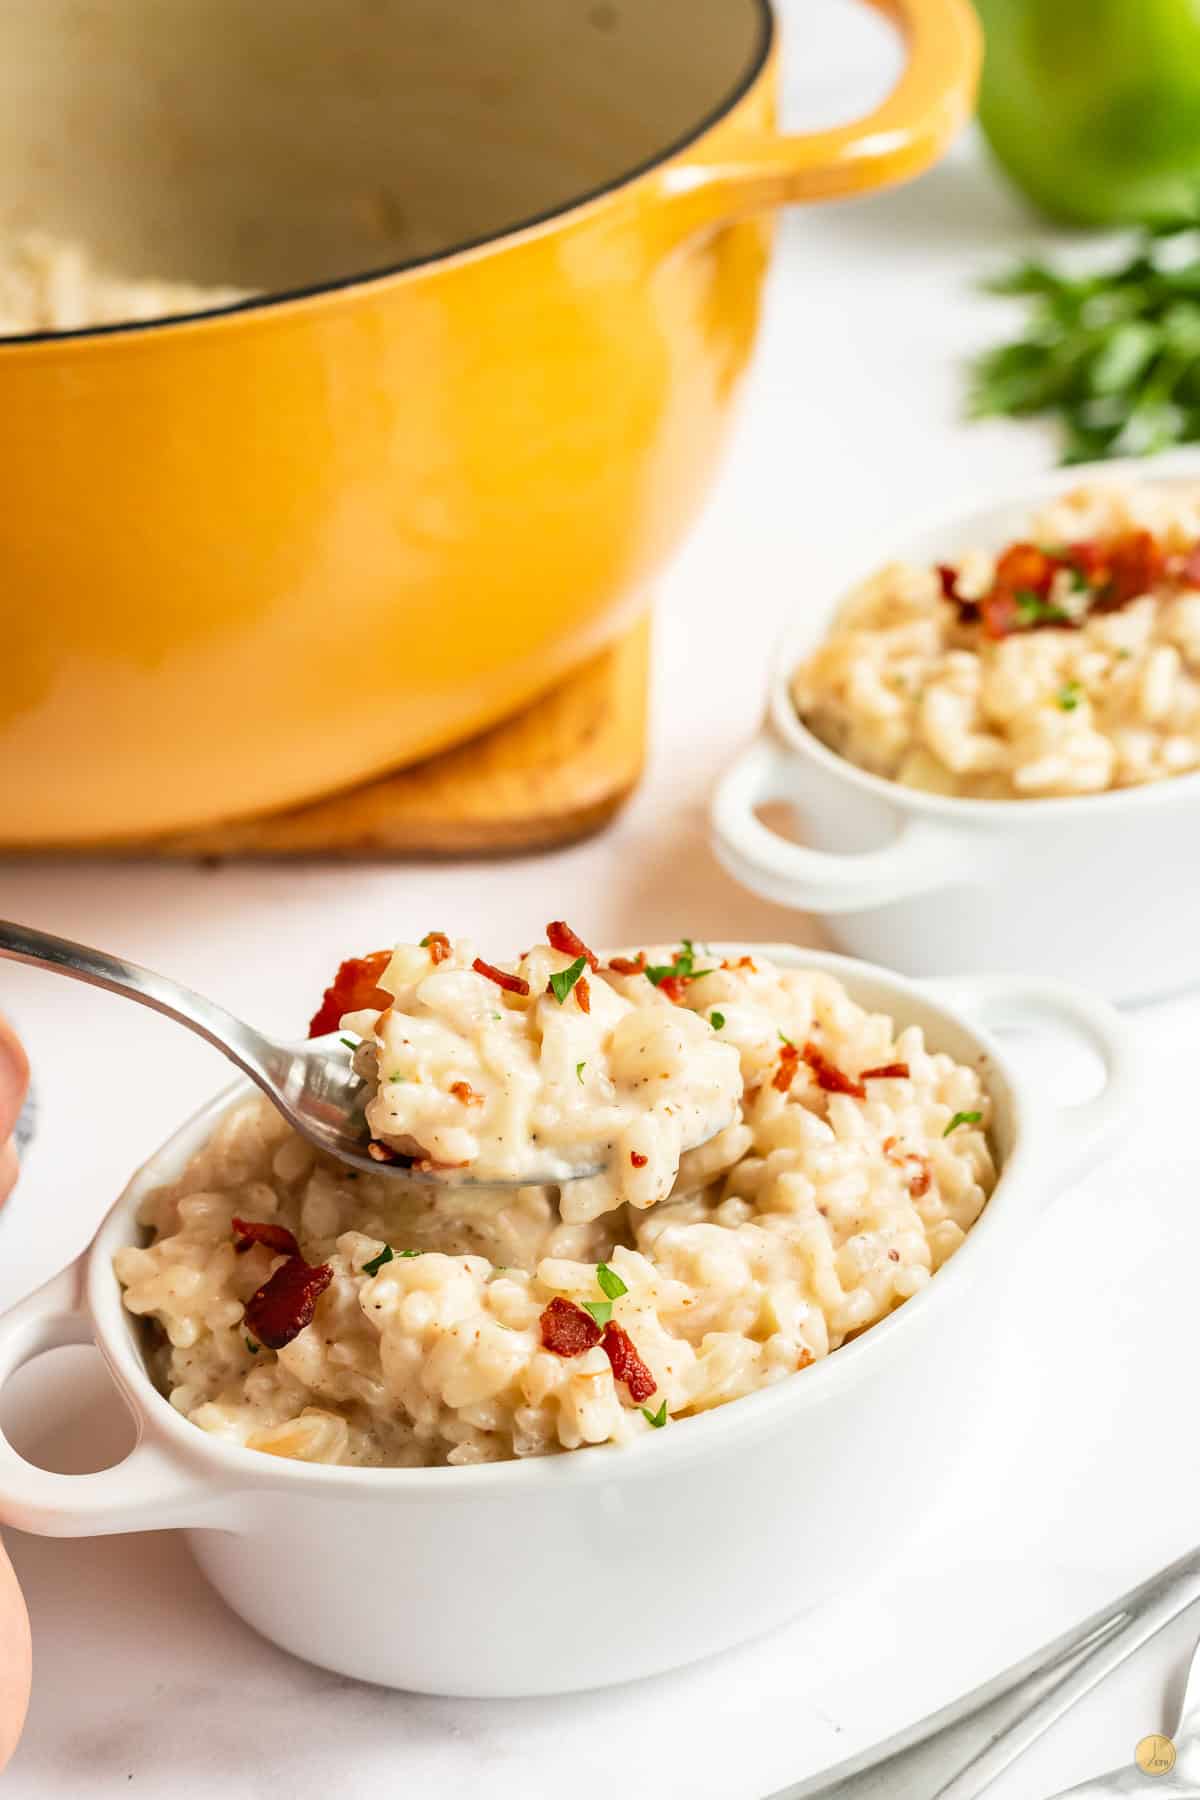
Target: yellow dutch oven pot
column 251, row 557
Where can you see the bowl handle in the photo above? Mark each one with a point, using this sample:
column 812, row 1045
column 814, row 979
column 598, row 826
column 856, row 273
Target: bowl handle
column 910, row 130
column 1080, row 1134
column 922, row 856
column 149, row 1489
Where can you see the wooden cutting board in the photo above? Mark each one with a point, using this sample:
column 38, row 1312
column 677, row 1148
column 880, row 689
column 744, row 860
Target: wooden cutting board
column 557, row 771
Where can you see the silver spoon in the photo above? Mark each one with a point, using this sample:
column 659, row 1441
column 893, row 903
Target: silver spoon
column 316, row 1090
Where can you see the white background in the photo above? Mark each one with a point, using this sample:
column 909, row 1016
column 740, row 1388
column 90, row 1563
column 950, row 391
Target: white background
column 1075, row 1472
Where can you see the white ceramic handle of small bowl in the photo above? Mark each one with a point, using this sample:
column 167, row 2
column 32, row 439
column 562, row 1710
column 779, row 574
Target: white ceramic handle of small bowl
column 1080, row 1134
column 148, row 1490
column 922, row 856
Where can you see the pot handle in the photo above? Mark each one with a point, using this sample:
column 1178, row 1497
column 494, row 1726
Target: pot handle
column 1083, row 1132
column 146, row 1491
column 922, row 856
column 910, row 130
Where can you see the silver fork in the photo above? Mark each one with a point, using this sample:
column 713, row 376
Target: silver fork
column 956, row 1753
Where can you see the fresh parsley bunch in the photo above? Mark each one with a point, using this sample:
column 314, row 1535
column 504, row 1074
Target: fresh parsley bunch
column 1114, row 355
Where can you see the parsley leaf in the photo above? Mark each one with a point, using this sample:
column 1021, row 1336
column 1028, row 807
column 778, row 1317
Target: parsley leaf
column 252, row 1347
column 1069, row 695
column 716, row 1020
column 350, row 1043
column 657, row 1419
column 610, row 1282
column 785, row 1039
column 563, row 980
column 429, row 935
column 579, row 1068
column 376, row 1263
column 683, row 967
column 1033, row 610
column 962, row 1118
column 411, row 1252
column 1111, row 355
column 601, row 1310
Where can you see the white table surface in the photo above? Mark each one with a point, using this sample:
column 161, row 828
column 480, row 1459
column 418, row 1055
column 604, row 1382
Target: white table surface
column 1076, row 1471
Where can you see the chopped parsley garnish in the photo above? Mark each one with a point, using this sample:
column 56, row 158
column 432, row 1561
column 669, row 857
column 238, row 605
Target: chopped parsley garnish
column 601, row 1310
column 785, row 1039
column 428, row 938
column 716, row 1020
column 1033, row 610
column 682, row 969
column 376, row 1263
column 252, row 1347
column 962, row 1118
column 563, row 980
column 610, row 1282
column 657, row 1419
column 397, row 1077
column 349, row 1043
column 410, row 1253
column 1069, row 695
column 579, row 1068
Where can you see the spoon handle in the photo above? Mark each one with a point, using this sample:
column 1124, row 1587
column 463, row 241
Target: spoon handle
column 254, row 1054
column 956, row 1753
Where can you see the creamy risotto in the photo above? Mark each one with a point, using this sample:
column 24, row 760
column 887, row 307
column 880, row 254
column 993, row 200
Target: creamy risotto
column 1067, row 664
column 304, row 1310
column 47, row 284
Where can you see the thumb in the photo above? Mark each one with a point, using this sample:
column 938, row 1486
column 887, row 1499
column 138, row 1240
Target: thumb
column 14, row 1084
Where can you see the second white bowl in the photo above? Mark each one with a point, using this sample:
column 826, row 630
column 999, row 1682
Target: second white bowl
column 1098, row 889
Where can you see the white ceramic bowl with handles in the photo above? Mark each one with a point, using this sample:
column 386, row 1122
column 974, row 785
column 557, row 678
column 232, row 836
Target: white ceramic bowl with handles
column 1099, row 889
column 568, row 1572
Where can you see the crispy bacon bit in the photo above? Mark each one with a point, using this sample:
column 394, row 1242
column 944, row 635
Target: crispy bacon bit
column 462, row 1090
column 559, row 936
column 829, row 1076
column 1087, row 558
column 920, row 1175
column 280, row 1309
column 1136, row 564
column 674, row 987
column 785, row 1074
column 805, row 1358
column 629, row 965
column 567, row 1329
column 637, row 1159
column 1025, row 566
column 948, row 576
column 353, row 989
column 627, row 1365
column 248, row 1232
column 1000, row 614
column 583, row 994
column 897, row 1071
column 437, row 944
column 512, row 984
column 893, row 1256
